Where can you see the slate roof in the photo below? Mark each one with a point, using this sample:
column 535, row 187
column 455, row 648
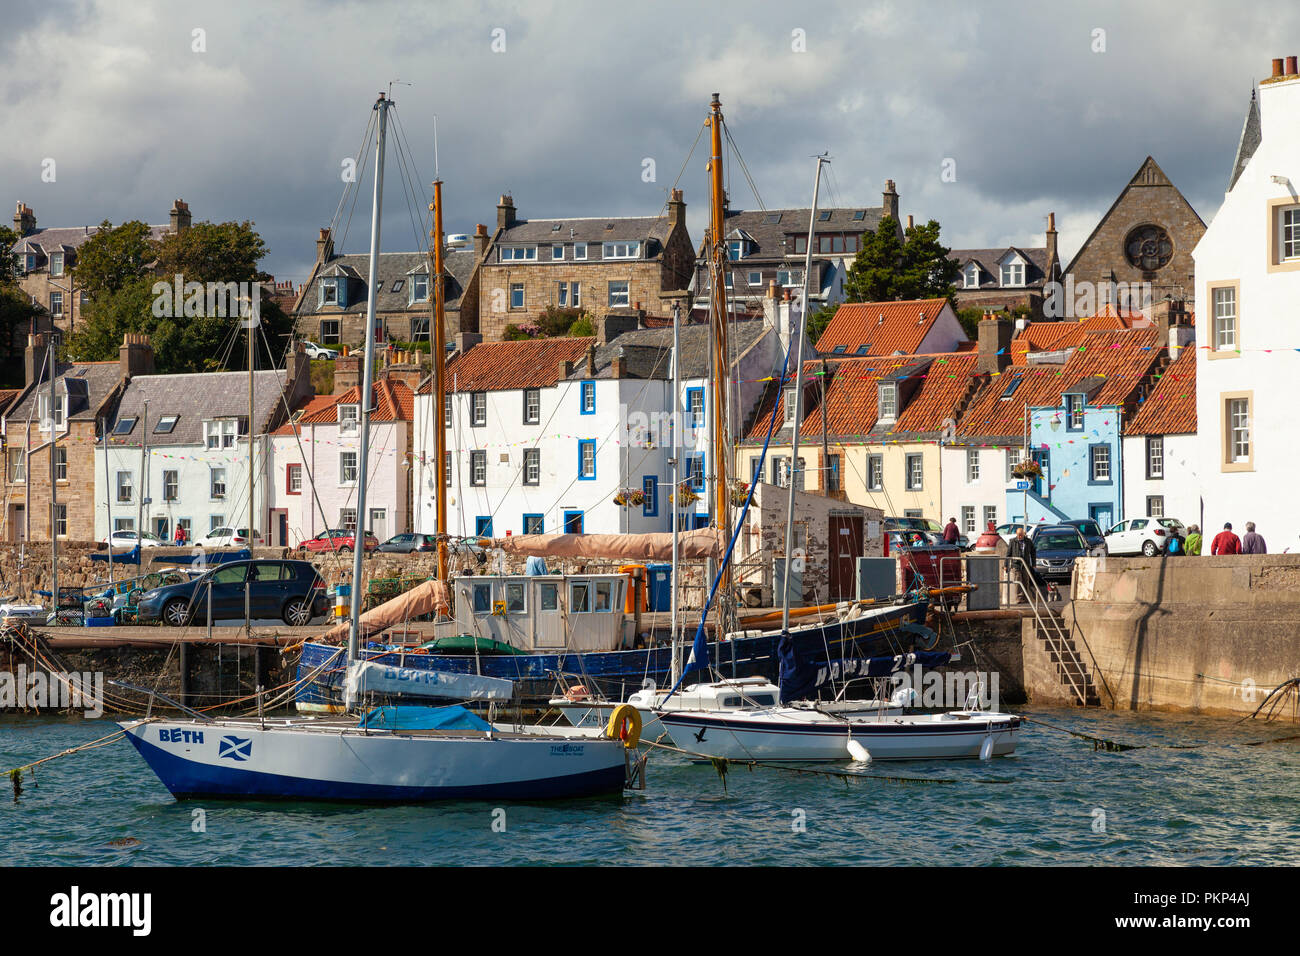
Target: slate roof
column 1170, row 409
column 991, row 272
column 1251, row 136
column 194, row 397
column 884, row 328
column 771, row 242
column 88, row 384
column 591, row 229
column 68, row 238
column 648, row 352
column 393, row 266
column 503, row 366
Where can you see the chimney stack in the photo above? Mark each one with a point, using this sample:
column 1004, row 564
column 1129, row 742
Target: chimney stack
column 324, row 246
column 890, row 198
column 591, row 359
column 34, row 357
column 1291, row 66
column 347, row 373
column 1053, row 259
column 136, row 355
column 180, row 216
column 480, row 241
column 909, row 221
column 24, row 219
column 565, row 370
column 506, row 212
column 994, row 343
column 298, row 376
column 618, row 367
column 676, row 209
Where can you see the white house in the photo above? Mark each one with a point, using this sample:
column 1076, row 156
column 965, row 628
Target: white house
column 544, row 434
column 1248, row 284
column 1160, row 448
column 315, row 465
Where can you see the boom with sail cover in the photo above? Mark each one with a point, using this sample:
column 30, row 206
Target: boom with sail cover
column 700, row 543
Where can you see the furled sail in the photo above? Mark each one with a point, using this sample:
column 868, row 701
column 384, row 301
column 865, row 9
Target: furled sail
column 700, row 543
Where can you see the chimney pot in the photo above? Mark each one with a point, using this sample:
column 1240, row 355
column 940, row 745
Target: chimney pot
column 1291, row 66
column 1277, row 67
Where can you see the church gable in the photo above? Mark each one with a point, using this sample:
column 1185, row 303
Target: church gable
column 1146, row 237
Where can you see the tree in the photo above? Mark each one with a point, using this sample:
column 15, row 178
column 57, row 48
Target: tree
column 16, row 312
column 889, row 269
column 125, row 272
column 113, row 257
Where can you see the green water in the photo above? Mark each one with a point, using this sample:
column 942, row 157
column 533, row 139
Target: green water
column 1224, row 803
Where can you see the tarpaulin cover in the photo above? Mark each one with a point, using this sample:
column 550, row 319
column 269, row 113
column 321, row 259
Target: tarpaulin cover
column 407, row 717
column 691, row 545
column 426, row 598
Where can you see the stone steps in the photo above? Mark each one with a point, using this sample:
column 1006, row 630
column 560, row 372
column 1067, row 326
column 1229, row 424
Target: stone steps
column 1071, row 670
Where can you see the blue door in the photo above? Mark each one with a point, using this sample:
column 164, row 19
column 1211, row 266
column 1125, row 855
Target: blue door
column 1101, row 514
column 573, row 522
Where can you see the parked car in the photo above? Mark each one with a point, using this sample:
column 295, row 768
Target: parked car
column 229, row 538
column 1148, row 536
column 338, row 539
column 319, row 351
column 1092, row 534
column 406, row 543
column 1056, row 546
column 1008, row 531
column 129, row 539
column 290, row 590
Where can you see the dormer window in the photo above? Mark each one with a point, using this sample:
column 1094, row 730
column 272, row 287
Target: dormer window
column 518, row 253
column 621, row 250
column 419, row 288
column 349, row 416
column 333, row 291
column 220, row 433
column 56, row 263
column 1013, row 271
column 971, row 276
column 789, row 405
column 60, row 411
column 736, row 249
column 888, row 401
column 1074, row 412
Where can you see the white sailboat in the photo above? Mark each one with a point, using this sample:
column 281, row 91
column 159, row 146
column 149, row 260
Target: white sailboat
column 346, row 759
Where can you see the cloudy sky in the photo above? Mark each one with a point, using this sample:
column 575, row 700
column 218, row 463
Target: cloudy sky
column 248, row 110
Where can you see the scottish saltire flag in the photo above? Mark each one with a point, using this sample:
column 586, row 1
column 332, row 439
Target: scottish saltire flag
column 236, row 748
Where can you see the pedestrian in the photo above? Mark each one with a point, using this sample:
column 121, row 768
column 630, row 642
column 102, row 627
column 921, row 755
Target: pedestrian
column 1253, row 543
column 1022, row 556
column 1225, row 542
column 1193, row 543
column 951, row 533
column 180, row 535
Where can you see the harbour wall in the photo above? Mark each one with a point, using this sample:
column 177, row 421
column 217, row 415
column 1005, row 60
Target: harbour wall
column 1196, row 634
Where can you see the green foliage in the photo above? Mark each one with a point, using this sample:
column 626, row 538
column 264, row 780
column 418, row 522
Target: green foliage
column 557, row 321
column 322, row 376
column 421, row 346
column 8, row 260
column 970, row 321
column 889, row 269
column 16, row 312
column 583, row 327
column 124, row 300
column 818, row 321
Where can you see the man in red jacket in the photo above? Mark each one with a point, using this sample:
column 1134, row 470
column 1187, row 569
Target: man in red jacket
column 1225, row 542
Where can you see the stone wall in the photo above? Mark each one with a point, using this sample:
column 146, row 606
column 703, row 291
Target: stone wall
column 1201, row 634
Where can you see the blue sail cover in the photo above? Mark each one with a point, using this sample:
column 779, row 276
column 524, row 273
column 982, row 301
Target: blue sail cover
column 407, row 717
column 800, row 680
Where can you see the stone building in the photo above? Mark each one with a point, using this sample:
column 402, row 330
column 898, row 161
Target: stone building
column 1141, row 250
column 598, row 265
column 1009, row 278
column 331, row 308
column 48, row 256
column 85, row 396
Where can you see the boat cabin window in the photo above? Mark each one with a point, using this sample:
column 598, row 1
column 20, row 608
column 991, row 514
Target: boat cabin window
column 579, row 598
column 762, row 700
column 549, row 596
column 603, row 595
column 731, row 702
column 514, row 597
column 482, row 598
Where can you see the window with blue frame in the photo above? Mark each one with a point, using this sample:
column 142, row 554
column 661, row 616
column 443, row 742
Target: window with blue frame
column 587, row 398
column 483, row 526
column 695, row 470
column 650, row 487
column 1099, row 464
column 533, row 524
column 573, row 522
column 1074, row 413
column 587, row 459
column 695, row 407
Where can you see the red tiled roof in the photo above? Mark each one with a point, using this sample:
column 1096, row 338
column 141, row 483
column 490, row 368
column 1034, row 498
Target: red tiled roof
column 394, row 402
column 1170, row 409
column 886, row 327
column 1121, row 357
column 501, row 366
column 947, row 381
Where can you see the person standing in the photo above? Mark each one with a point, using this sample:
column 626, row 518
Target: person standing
column 951, row 533
column 1022, row 547
column 180, row 534
column 1253, row 543
column 1225, row 542
column 1193, row 543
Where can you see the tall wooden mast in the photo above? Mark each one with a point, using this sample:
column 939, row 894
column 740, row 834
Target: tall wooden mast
column 717, row 249
column 439, row 336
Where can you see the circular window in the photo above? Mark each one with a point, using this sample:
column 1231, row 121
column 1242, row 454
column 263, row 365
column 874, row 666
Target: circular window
column 1148, row 248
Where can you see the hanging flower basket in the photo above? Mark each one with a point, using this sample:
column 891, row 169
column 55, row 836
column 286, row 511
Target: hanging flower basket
column 739, row 493
column 630, row 498
column 685, row 495
column 1027, row 469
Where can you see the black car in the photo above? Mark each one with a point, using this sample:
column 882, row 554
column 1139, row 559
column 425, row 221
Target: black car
column 1056, row 546
column 1092, row 533
column 290, row 590
column 406, row 543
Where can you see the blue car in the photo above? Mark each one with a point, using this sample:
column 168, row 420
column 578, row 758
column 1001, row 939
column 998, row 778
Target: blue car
column 292, row 591
column 1055, row 548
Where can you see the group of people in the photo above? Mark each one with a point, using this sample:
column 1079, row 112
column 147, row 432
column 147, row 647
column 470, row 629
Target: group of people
column 1227, row 542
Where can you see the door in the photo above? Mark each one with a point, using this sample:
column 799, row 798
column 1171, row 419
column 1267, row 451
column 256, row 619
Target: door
column 227, row 593
column 844, row 549
column 379, row 523
column 1100, row 513
column 573, row 522
column 17, row 523
column 268, row 589
column 162, row 528
column 280, row 526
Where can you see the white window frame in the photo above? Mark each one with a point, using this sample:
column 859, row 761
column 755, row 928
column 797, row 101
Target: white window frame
column 888, row 396
column 532, row 466
column 1288, row 233
column 557, row 252
column 216, row 483
column 220, row 433
column 518, row 254
column 968, row 519
column 619, row 299
column 915, row 472
column 620, row 250
column 56, row 263
column 532, row 406
column 478, row 468
column 125, row 489
column 1238, row 412
column 1099, row 462
column 972, row 465
column 1013, row 274
column 580, row 251
column 171, row 485
column 1015, row 455
column 349, row 419
column 348, row 467
column 1155, row 456
column 1224, row 308
column 478, row 409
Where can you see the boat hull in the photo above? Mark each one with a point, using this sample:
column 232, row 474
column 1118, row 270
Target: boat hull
column 768, row 738
column 616, row 674
column 230, row 759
